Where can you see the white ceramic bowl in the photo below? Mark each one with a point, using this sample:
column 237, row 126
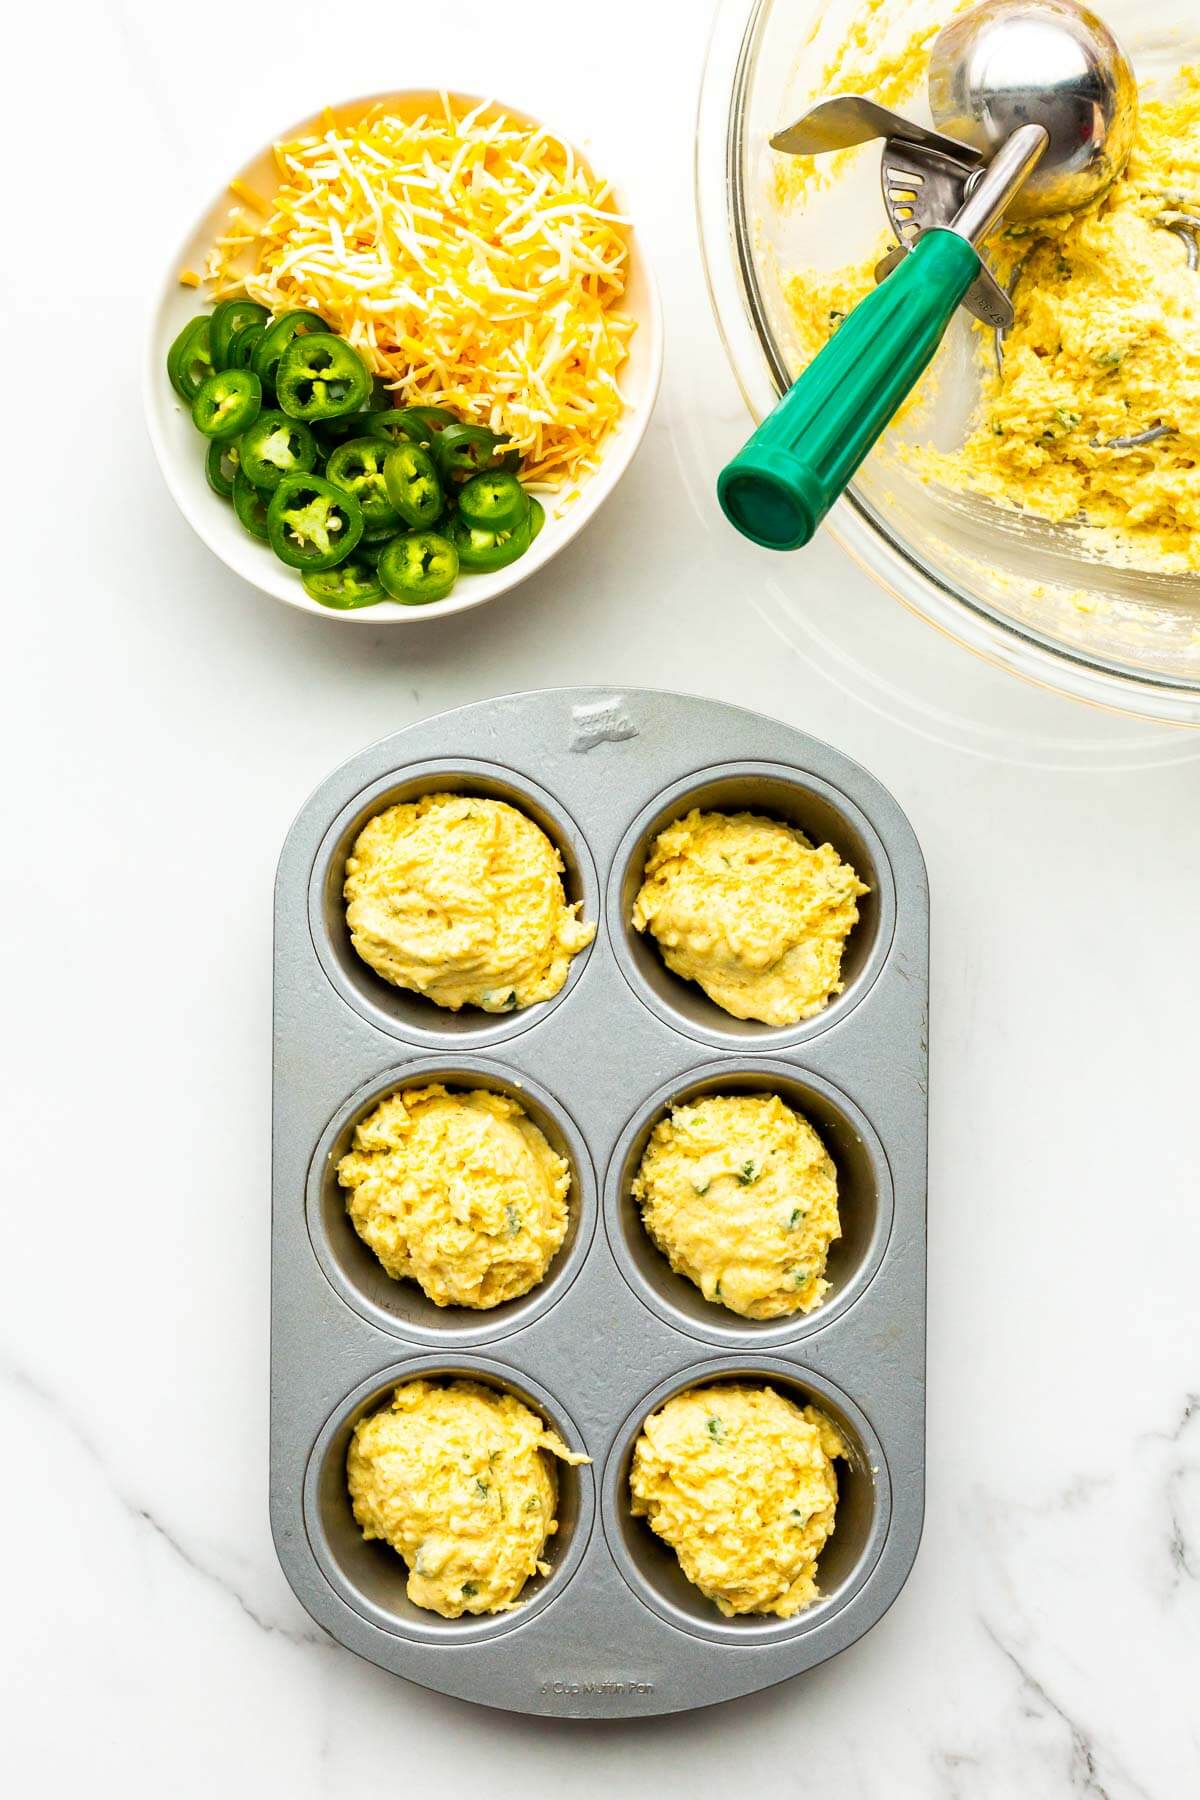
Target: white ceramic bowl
column 180, row 449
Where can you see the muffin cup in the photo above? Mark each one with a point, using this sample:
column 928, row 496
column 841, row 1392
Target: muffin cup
column 825, row 817
column 864, row 1505
column 370, row 1576
column 864, row 1204
column 399, row 1010
column 401, row 1306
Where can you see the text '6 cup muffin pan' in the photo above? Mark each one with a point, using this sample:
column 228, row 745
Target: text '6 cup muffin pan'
column 615, row 1629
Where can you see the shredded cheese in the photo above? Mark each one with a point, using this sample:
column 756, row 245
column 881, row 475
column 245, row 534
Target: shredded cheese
column 245, row 192
column 189, row 278
column 474, row 261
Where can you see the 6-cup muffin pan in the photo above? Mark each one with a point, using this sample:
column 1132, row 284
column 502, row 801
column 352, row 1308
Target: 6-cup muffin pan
column 614, row 1629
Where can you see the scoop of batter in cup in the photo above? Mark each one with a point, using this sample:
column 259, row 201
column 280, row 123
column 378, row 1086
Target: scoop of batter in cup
column 461, row 899
column 750, row 910
column 740, row 1482
column 459, row 1192
column 741, row 1196
column 460, row 1480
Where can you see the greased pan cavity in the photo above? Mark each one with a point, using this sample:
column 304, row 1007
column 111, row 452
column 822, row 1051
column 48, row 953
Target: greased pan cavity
column 614, row 1630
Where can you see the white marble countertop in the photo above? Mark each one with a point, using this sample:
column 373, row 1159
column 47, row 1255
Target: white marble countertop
column 163, row 724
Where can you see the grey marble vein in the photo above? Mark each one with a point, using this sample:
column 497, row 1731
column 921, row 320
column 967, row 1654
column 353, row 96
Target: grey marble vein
column 1184, row 1554
column 21, row 1380
column 1083, row 1766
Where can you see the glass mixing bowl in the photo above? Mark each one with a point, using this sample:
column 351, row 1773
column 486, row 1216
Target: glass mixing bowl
column 1026, row 594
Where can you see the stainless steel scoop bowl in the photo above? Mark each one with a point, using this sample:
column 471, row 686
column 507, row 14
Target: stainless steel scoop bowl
column 1009, row 63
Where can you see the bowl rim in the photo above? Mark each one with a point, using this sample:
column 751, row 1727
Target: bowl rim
column 854, row 523
column 188, row 486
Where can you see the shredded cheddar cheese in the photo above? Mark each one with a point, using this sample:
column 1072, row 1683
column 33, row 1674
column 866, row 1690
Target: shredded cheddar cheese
column 473, row 260
column 245, row 192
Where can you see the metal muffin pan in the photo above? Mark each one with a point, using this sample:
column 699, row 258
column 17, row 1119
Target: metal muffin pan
column 614, row 1630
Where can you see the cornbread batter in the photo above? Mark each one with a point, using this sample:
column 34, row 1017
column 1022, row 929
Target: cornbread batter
column 751, row 911
column 1106, row 341
column 740, row 1195
column 457, row 1479
column 458, row 1192
column 740, row 1483
column 1106, row 345
column 461, row 899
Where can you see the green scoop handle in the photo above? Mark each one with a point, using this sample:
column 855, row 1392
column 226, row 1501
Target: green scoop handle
column 780, row 486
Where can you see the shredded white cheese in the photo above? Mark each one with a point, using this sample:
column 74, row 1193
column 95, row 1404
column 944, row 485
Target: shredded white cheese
column 474, row 261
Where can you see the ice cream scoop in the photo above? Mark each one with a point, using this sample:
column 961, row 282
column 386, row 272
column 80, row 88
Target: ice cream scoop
column 1035, row 105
